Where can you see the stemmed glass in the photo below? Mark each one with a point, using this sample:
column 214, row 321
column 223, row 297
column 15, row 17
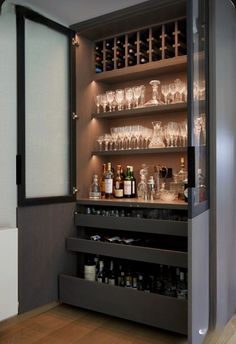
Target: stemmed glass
column 98, row 102
column 119, row 98
column 165, row 89
column 129, row 96
column 172, row 128
column 183, row 132
column 104, row 101
column 100, row 141
column 137, row 94
column 173, row 91
column 179, row 90
column 110, row 98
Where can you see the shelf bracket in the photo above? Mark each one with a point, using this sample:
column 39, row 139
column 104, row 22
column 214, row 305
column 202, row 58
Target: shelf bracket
column 75, row 40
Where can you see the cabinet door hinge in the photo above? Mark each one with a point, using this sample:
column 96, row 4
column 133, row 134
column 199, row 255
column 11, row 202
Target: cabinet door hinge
column 75, row 190
column 75, row 40
column 74, row 116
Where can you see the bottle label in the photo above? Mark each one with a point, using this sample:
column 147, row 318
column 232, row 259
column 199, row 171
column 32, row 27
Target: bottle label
column 119, row 192
column 108, row 186
column 90, row 272
column 127, row 188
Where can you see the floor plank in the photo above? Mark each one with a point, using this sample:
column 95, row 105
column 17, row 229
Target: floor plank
column 70, row 325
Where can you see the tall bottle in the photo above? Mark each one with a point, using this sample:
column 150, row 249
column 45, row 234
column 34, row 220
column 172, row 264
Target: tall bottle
column 133, row 182
column 109, row 177
column 128, row 184
column 102, row 180
column 119, row 183
column 111, row 275
column 101, row 274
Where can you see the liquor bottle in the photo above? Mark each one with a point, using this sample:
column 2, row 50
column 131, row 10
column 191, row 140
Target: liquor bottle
column 101, row 275
column 102, row 180
column 90, row 269
column 95, row 192
column 133, row 182
column 119, row 184
column 140, row 285
column 128, row 279
column 111, row 275
column 128, row 184
column 121, row 277
column 109, row 182
column 182, row 290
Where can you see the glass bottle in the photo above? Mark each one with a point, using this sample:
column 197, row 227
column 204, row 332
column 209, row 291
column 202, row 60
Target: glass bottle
column 102, row 180
column 151, row 189
column 133, row 182
column 94, row 192
column 119, row 184
column 128, row 184
column 111, row 276
column 109, row 182
column 156, row 178
column 90, row 269
column 121, row 277
column 142, row 188
column 101, row 275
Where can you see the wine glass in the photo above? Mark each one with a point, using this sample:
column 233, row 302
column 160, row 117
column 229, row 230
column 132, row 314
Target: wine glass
column 129, row 96
column 179, row 89
column 165, row 89
column 119, row 98
column 110, row 98
column 173, row 91
column 172, row 128
column 100, row 141
column 104, row 101
column 97, row 99
column 137, row 94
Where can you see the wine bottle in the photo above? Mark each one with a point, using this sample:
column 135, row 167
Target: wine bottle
column 133, row 182
column 128, row 184
column 109, row 182
column 111, row 276
column 121, row 277
column 119, row 184
column 90, row 269
column 102, row 180
column 101, row 275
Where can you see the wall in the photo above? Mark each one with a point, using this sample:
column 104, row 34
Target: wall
column 223, row 160
column 7, row 117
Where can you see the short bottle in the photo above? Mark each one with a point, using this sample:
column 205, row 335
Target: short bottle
column 109, row 177
column 95, row 192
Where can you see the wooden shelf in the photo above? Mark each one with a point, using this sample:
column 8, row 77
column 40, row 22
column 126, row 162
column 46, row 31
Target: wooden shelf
column 131, row 252
column 132, row 224
column 134, row 203
column 165, row 150
column 152, row 309
column 175, row 64
column 142, row 111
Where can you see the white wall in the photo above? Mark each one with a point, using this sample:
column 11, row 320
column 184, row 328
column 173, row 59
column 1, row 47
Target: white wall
column 8, row 232
column 7, row 117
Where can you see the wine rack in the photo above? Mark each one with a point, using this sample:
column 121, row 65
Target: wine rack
column 167, row 40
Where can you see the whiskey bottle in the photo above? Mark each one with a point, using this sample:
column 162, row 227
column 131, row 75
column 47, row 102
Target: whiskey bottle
column 119, row 184
column 94, row 192
column 102, row 180
column 128, row 184
column 109, row 182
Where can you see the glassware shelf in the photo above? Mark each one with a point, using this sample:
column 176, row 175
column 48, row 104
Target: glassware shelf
column 141, row 151
column 140, row 111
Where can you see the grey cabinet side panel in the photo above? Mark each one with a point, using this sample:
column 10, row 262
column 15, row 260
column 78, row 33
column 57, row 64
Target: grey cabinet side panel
column 198, row 278
column 223, row 159
column 42, row 252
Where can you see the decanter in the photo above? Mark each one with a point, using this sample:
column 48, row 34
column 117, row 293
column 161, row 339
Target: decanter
column 156, row 141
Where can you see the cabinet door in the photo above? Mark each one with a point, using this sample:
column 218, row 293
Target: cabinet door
column 198, row 170
column 46, row 129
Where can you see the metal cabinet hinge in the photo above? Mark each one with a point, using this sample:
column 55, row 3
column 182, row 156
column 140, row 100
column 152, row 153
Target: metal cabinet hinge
column 75, row 190
column 74, row 115
column 75, row 40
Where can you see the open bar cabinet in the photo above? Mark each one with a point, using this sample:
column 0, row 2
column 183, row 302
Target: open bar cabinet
column 156, row 40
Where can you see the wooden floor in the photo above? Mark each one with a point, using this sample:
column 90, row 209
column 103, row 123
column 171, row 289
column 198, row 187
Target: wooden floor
column 65, row 325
